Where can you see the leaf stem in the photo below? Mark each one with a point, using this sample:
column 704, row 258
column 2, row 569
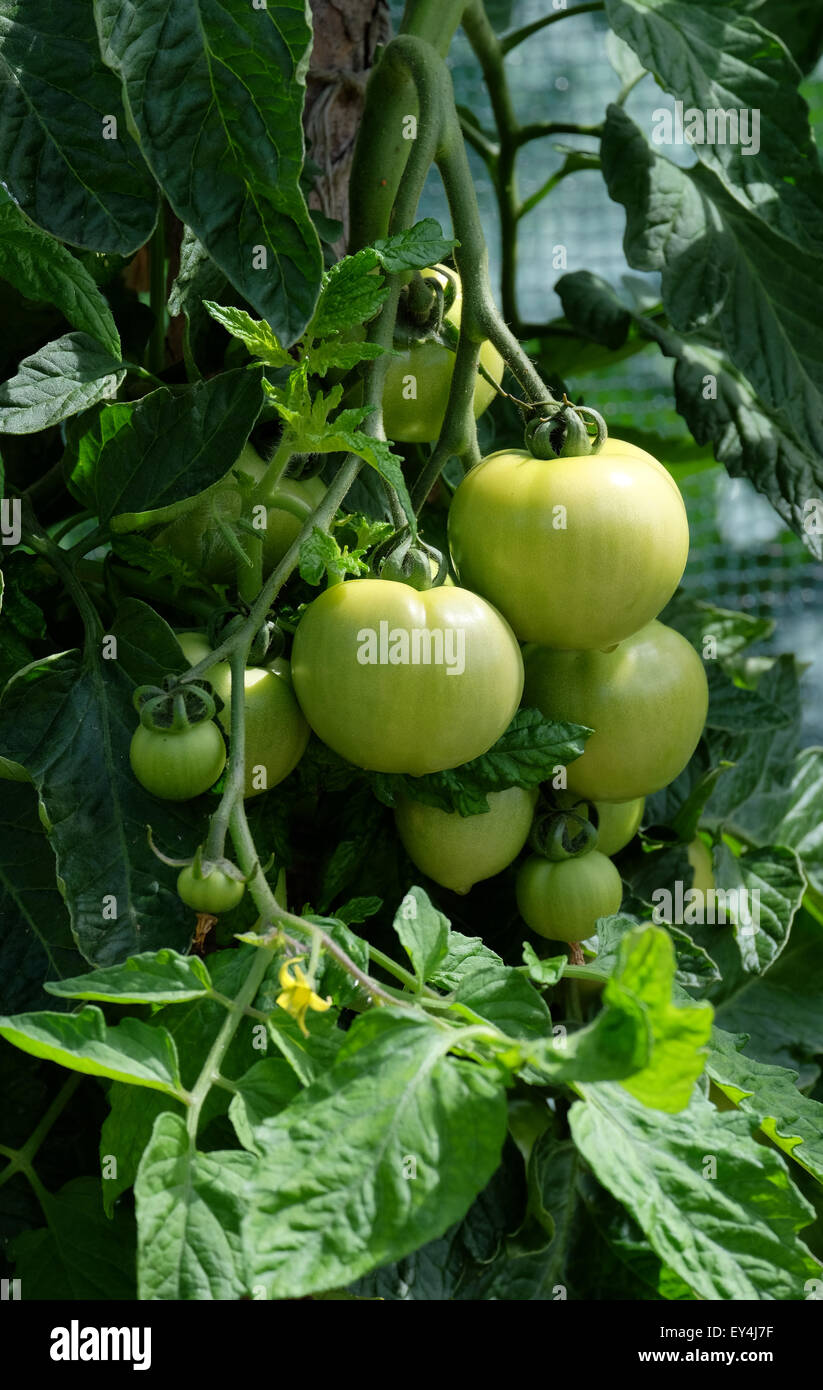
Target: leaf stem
column 517, row 36
column 210, row 1071
column 21, row 1159
column 156, row 351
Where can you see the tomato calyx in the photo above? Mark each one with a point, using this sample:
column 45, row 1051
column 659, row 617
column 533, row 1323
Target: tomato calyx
column 406, row 559
column 561, row 431
column 559, row 833
column 174, row 710
column 268, row 642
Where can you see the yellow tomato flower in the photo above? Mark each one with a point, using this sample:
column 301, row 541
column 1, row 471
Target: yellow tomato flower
column 298, row 996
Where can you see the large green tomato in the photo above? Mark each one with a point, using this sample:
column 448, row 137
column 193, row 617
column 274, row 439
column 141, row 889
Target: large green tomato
column 577, row 553
column 418, row 380
column 177, row 766
column 617, row 447
column 646, row 701
column 195, row 539
column 396, row 680
column 563, row 900
column 458, row 851
column 617, row 821
column 276, row 731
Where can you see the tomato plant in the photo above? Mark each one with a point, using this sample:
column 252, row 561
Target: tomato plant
column 646, row 702
column 418, row 378
column 577, row 553
column 248, row 267
column 401, row 681
column 563, row 900
column 459, row 851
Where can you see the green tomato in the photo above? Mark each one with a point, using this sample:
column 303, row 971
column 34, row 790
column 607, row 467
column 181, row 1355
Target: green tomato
column 397, row 680
column 216, row 894
column 458, row 851
column 617, row 821
column 577, row 553
column 563, row 900
column 646, row 701
column 195, row 538
column 700, row 858
column 276, row 731
column 418, row 380
column 178, row 766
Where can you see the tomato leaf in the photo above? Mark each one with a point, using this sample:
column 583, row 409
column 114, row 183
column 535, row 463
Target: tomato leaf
column 174, row 445
column 421, row 245
column 743, row 1246
column 81, row 1254
column 189, row 1209
column 254, row 334
column 532, row 750
column 229, row 156
column 712, row 59
column 35, row 932
column 423, row 933
column 792, row 1121
column 130, row 1051
column 41, row 268
column 645, row 968
column 64, row 377
column 384, row 1152
column 71, row 724
column 155, row 977
column 70, row 170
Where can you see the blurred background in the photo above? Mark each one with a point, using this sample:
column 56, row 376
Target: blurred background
column 742, row 556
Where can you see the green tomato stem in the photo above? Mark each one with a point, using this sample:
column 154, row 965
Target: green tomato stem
column 510, row 41
column 275, row 470
column 235, row 782
column 250, row 577
column 385, row 143
column 210, row 1071
column 436, row 21
column 20, row 1160
column 156, row 351
column 60, row 560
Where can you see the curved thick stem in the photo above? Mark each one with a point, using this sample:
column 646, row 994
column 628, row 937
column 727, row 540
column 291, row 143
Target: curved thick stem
column 480, row 315
column 489, row 53
column 436, row 21
column 394, row 115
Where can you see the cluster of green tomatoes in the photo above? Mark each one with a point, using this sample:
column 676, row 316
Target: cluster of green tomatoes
column 561, row 566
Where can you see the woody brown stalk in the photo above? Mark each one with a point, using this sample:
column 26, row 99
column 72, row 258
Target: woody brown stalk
column 346, row 35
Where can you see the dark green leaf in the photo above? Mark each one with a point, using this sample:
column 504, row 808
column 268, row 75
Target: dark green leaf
column 217, row 96
column 61, row 379
column 40, row 268
column 71, row 172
